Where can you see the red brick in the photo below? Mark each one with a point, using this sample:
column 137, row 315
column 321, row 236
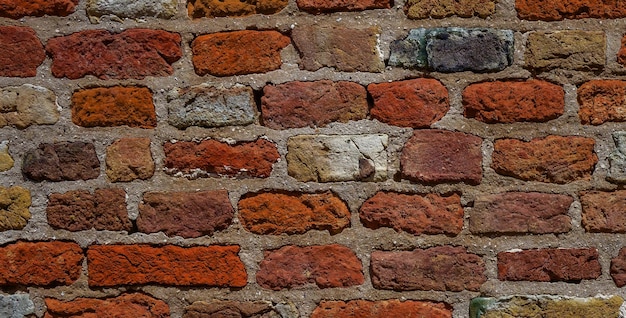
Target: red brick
column 325, row 266
column 555, row 159
column 16, row 9
column 293, row 213
column 231, row 308
column 21, row 52
column 569, row 9
column 128, row 159
column 111, row 265
column 63, row 161
column 326, row 6
column 602, row 101
column 509, row 102
column 618, row 268
column 253, row 159
column 414, row 213
column 238, row 52
column 416, row 103
column 549, row 265
column 621, row 54
column 40, row 263
column 113, row 106
column 233, row 8
column 134, row 53
column 126, row 305
column 604, row 211
column 443, row 268
column 382, row 309
column 437, row 156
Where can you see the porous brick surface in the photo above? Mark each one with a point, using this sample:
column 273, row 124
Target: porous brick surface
column 602, row 211
column 327, row 6
column 132, row 8
column 423, row 9
column 6, row 160
column 16, row 9
column 26, row 105
column 549, row 265
column 128, row 159
column 138, row 305
column 62, row 161
column 226, row 308
column 114, row 106
column 233, row 8
column 380, row 309
column 21, row 52
column 546, row 306
column 574, row 50
column 568, row 9
column 14, row 208
column 602, row 101
column 16, row 306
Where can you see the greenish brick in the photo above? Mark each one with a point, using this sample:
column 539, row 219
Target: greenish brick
column 546, row 306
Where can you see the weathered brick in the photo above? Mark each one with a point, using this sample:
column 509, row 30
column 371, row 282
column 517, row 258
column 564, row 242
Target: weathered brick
column 569, row 9
column 126, row 305
column 618, row 268
column 521, row 212
column 437, row 156
column 211, row 157
column 509, row 102
column 617, row 159
column 238, row 52
column 554, row 159
column 80, row 210
column 546, row 307
column 443, row 268
column 314, row 104
column 326, row 266
column 604, row 211
column 424, row 9
column 113, row 106
column 572, row 50
column 324, row 158
column 602, row 101
column 621, row 54
column 129, row 159
column 414, row 213
column 416, row 103
column 293, row 213
column 345, row 49
column 111, row 265
column 62, row 161
column 14, row 208
column 233, row 8
column 40, row 263
column 230, row 308
column 22, row 106
column 164, row 9
column 134, row 53
column 6, row 161
column 16, row 9
column 16, row 306
column 549, row 265
column 381, row 309
column 21, row 52
column 186, row 214
column 328, row 6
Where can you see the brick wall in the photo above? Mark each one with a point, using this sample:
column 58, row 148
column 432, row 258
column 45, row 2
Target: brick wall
column 312, row 158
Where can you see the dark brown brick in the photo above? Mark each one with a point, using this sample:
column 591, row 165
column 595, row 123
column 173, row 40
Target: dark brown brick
column 63, row 161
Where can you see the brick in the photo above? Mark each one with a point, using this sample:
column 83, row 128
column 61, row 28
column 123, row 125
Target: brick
column 211, row 157
column 14, row 208
column 328, row 6
column 129, row 159
column 238, row 52
column 617, row 159
column 416, row 103
column 131, row 54
column 521, row 212
column 618, row 268
column 438, row 156
column 233, row 8
column 324, row 158
column 572, row 50
column 62, row 161
column 326, row 266
column 6, row 161
column 114, row 106
column 604, row 211
column 230, row 308
column 137, row 305
column 438, row 9
column 40, row 263
column 217, row 266
column 549, row 265
column 16, row 306
column 312, row 104
column 293, row 213
column 568, row 9
column 602, row 101
column 21, row 52
column 381, row 309
column 186, row 214
column 80, row 210
column 621, row 54
column 16, row 9
column 164, row 9
column 510, row 102
column 442, row 268
column 26, row 105
column 345, row 49
column 555, row 159
column 209, row 107
column 546, row 306
column 414, row 213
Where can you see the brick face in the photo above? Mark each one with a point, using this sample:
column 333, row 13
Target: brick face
column 602, row 101
column 603, row 211
column 380, row 309
column 16, row 9
column 63, row 161
column 549, row 265
column 568, row 9
column 233, row 8
column 138, row 304
column 21, row 52
column 114, row 106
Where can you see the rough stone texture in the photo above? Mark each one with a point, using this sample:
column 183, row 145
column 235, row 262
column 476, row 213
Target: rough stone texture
column 617, row 159
column 345, row 49
column 326, row 266
column 569, row 9
column 416, row 103
column 602, row 101
column 424, row 9
column 509, row 102
column 604, row 211
column 186, row 214
column 443, row 268
column 381, row 309
column 323, row 158
column 6, row 161
column 134, row 53
column 328, row 6
column 521, row 212
column 22, row 106
column 206, row 106
column 227, row 309
column 233, row 8
column 40, row 263
column 438, row 156
column 618, row 268
column 129, row 159
column 293, row 213
column 573, row 50
column 238, row 52
column 14, row 208
column 126, row 305
column 164, row 9
column 16, row 306
column 16, row 9
column 211, row 157
column 313, row 104
column 21, row 52
column 414, row 213
column 547, row 306
column 111, row 265
column 113, row 106
column 61, row 161
column 555, row 159
column 80, row 210
column 549, row 265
